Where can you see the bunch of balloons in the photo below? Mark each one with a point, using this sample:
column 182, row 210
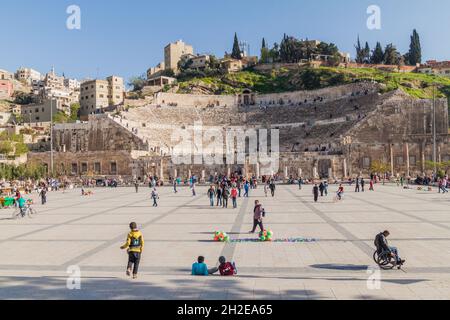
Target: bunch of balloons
column 266, row 235
column 221, row 236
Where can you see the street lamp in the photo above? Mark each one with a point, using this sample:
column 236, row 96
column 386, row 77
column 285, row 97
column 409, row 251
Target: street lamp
column 51, row 134
column 434, row 129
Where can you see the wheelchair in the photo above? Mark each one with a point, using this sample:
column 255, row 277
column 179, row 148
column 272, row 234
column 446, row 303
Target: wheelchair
column 386, row 260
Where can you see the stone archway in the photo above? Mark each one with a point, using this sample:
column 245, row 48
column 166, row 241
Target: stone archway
column 324, row 166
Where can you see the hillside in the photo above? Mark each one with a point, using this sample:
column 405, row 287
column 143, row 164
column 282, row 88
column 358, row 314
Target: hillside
column 415, row 84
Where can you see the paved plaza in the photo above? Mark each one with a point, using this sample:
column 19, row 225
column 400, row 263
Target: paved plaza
column 88, row 231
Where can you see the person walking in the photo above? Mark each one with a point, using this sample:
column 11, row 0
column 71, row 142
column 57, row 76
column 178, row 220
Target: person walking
column 300, row 182
column 362, row 184
column 136, row 186
column 175, row 185
column 239, row 186
column 135, row 247
column 219, row 196
column 225, row 196
column 211, row 193
column 316, row 192
column 371, row 185
column 357, row 185
column 43, row 195
column 193, row 189
column 234, row 194
column 325, row 188
column 258, row 214
column 155, row 197
column 443, row 185
column 321, row 189
column 246, row 188
column 272, row 187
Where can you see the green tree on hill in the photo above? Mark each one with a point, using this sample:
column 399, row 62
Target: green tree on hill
column 274, row 53
column 359, row 52
column 391, row 55
column 236, row 52
column 377, row 55
column 265, row 53
column 366, row 53
column 414, row 55
column 138, row 82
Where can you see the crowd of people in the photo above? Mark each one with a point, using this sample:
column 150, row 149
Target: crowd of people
column 222, row 188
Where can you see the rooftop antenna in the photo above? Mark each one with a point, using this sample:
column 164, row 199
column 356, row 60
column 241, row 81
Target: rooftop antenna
column 245, row 47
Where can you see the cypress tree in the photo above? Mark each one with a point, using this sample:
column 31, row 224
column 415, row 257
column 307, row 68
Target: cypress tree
column 236, row 53
column 415, row 50
column 366, row 53
column 359, row 52
column 377, row 55
column 264, row 52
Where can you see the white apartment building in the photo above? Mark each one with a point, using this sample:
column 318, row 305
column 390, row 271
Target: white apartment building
column 200, row 61
column 72, row 84
column 53, row 81
column 6, row 75
column 27, row 75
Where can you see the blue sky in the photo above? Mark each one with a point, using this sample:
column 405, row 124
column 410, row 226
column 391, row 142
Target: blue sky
column 127, row 37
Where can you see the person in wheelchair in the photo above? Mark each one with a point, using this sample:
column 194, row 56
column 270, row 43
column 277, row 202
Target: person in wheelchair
column 382, row 246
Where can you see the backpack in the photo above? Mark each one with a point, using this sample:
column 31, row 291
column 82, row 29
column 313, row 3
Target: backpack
column 135, row 242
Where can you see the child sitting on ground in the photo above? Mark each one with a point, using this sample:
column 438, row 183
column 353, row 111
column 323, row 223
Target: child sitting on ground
column 225, row 268
column 200, row 268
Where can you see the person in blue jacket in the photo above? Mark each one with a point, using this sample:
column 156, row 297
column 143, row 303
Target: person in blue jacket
column 200, row 268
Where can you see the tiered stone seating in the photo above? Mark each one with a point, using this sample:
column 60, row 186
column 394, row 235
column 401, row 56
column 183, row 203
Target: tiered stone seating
column 307, row 124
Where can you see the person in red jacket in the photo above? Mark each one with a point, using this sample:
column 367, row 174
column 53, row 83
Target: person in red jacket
column 225, row 268
column 234, row 194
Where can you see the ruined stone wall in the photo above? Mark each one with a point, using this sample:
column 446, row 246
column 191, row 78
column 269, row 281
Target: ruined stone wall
column 399, row 133
column 71, row 163
column 99, row 134
column 331, row 93
column 192, row 100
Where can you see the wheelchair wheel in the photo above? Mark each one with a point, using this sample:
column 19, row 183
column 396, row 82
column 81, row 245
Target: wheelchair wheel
column 386, row 262
column 375, row 257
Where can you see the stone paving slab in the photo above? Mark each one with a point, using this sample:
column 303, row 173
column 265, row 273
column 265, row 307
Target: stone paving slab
column 88, row 231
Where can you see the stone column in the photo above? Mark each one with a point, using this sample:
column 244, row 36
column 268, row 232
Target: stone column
column 439, row 158
column 286, row 172
column 299, row 172
column 407, row 160
column 314, row 172
column 161, row 170
column 189, row 173
column 330, row 173
column 392, row 159
column 345, row 168
column 175, row 173
column 203, row 175
column 422, row 156
column 257, row 170
column 229, row 172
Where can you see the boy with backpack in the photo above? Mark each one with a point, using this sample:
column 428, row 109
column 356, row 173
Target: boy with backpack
column 134, row 246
